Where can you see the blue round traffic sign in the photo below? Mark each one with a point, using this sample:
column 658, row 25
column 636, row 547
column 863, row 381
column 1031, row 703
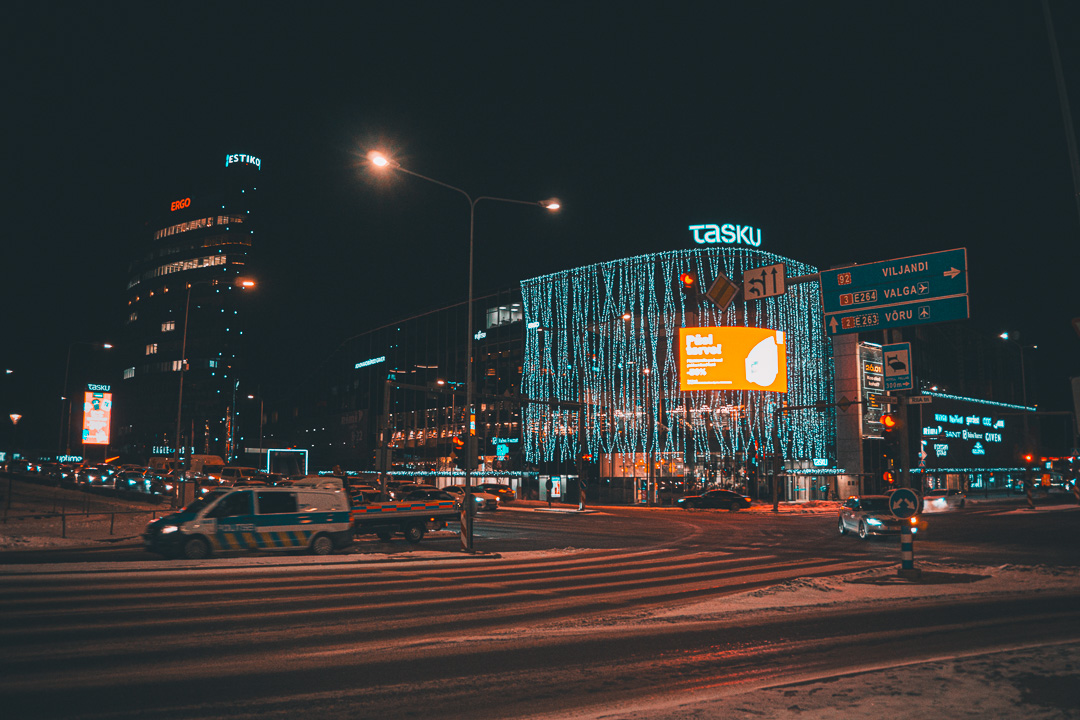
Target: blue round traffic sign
column 904, row 503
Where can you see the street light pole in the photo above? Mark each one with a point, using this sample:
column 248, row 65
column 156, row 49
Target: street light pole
column 379, row 160
column 241, row 283
column 260, row 399
column 65, row 399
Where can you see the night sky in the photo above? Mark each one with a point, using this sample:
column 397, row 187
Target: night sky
column 846, row 131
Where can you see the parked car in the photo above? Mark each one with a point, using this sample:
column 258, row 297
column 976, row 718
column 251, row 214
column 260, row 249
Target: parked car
column 505, row 493
column 943, row 499
column 399, row 492
column 481, row 499
column 424, row 494
column 868, row 515
column 722, row 499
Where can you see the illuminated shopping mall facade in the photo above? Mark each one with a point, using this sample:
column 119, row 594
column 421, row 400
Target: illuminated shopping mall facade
column 625, row 339
column 618, row 374
column 183, row 303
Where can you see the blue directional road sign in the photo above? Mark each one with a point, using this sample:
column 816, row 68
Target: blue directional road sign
column 918, row 277
column 897, row 365
column 904, row 503
column 910, row 313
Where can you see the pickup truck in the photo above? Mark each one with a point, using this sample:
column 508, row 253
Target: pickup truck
column 412, row 517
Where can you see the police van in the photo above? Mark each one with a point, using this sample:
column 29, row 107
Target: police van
column 254, row 518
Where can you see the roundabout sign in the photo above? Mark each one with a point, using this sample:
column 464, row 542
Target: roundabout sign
column 904, row 503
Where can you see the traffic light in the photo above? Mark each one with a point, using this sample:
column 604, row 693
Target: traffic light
column 688, row 281
column 891, row 429
column 457, row 450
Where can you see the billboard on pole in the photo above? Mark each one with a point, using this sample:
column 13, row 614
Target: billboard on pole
column 732, row 358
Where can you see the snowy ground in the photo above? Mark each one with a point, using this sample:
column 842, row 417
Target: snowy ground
column 1020, row 682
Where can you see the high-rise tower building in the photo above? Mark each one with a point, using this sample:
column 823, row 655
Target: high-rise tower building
column 183, row 350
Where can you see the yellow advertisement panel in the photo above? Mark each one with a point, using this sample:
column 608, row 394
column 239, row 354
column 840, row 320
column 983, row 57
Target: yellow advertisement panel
column 732, row 358
column 97, row 415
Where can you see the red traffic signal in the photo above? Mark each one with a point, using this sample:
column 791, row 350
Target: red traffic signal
column 889, row 422
column 889, row 477
column 688, row 280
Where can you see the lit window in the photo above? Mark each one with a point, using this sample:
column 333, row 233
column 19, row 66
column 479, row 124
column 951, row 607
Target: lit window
column 151, row 349
column 133, row 317
column 168, row 326
column 129, row 373
column 176, row 365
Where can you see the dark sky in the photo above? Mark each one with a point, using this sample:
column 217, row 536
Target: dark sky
column 846, row 131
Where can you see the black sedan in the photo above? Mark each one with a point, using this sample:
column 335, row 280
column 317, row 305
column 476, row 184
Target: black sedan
column 723, row 499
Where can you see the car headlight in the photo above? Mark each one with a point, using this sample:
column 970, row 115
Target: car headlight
column 166, row 529
column 873, row 521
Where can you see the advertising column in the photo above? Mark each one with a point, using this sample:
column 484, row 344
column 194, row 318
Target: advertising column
column 97, row 414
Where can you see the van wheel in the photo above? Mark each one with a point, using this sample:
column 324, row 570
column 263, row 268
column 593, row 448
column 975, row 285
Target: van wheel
column 414, row 533
column 384, row 535
column 196, row 549
column 322, row 545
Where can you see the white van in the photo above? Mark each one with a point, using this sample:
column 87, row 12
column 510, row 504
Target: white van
column 270, row 518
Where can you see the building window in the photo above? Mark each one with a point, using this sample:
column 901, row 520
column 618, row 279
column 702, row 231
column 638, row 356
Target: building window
column 151, row 349
column 176, row 365
column 129, row 373
column 504, row 315
column 133, row 317
column 168, row 326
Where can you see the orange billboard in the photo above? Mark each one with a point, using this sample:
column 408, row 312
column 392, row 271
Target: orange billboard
column 97, row 416
column 732, row 358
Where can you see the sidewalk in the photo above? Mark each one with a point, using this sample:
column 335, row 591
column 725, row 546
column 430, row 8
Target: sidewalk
column 805, row 507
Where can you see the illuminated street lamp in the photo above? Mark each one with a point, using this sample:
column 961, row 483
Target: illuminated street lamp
column 380, row 160
column 240, row 283
column 65, row 401
column 1023, row 375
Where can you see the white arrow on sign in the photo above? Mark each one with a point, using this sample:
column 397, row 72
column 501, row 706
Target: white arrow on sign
column 951, row 272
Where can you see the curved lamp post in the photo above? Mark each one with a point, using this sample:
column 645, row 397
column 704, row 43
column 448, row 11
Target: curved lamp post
column 380, row 160
column 240, row 283
column 65, row 401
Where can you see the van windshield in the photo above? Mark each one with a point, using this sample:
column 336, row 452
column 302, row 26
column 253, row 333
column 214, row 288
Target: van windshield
column 199, row 503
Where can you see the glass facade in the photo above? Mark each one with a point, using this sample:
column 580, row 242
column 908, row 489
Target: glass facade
column 185, row 267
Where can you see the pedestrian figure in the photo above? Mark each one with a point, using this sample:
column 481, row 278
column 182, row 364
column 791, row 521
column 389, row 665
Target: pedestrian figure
column 548, row 486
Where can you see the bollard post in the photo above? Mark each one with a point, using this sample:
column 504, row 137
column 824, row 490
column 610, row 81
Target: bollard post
column 907, row 553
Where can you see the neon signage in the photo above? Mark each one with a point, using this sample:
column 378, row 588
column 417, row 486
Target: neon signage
column 180, row 204
column 246, row 159
column 372, row 361
column 727, row 233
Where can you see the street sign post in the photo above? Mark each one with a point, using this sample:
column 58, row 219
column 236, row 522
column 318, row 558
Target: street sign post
column 904, row 503
column 894, row 293
column 722, row 291
column 910, row 313
column 764, row 282
column 897, row 364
